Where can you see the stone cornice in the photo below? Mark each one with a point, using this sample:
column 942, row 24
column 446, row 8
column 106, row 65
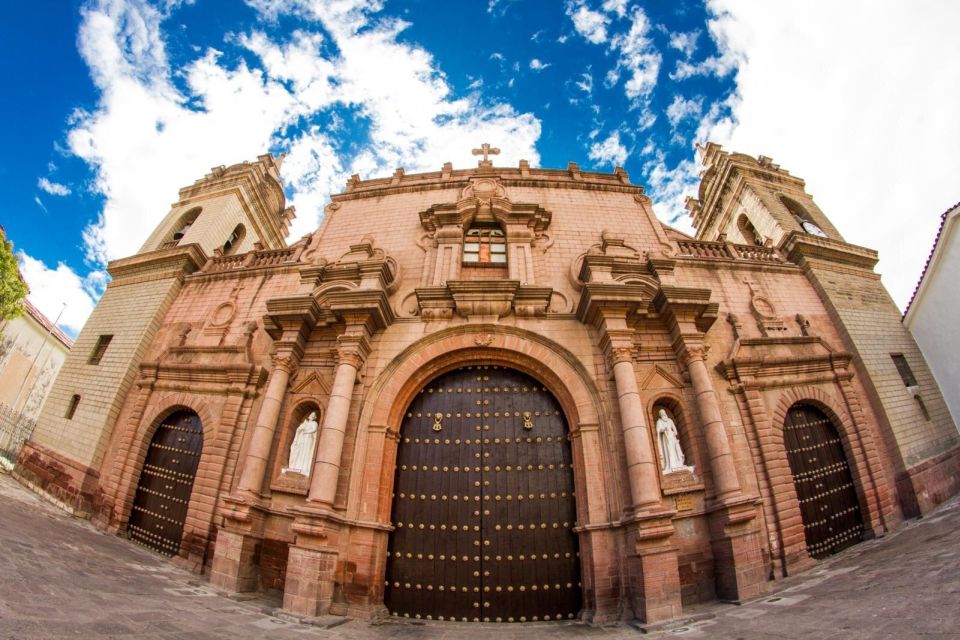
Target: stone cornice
column 483, row 298
column 802, row 248
column 214, row 369
column 163, row 263
column 372, row 304
column 631, row 299
column 509, row 177
column 762, row 362
column 687, row 305
column 459, row 214
column 296, row 315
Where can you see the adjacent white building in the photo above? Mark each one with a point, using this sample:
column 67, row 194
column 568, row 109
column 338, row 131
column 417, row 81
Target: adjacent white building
column 32, row 350
column 932, row 314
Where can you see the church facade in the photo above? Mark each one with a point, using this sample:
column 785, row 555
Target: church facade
column 496, row 394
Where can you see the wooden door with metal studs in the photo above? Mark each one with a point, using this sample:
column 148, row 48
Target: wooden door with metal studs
column 828, row 499
column 166, row 482
column 483, row 509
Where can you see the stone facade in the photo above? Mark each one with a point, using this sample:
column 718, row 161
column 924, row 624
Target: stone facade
column 616, row 314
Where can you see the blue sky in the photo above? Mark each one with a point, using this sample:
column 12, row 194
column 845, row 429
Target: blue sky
column 121, row 102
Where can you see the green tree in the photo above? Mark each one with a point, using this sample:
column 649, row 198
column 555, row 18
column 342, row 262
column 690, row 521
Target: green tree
column 12, row 287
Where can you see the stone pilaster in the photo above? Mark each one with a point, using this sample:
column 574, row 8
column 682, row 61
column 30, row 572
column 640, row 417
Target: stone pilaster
column 289, row 321
column 352, row 349
column 652, row 573
column 735, row 538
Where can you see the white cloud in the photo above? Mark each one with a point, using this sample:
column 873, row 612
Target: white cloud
column 538, row 65
column 585, row 83
column 619, row 7
column 590, row 24
column 609, row 151
column 53, row 188
column 51, row 288
column 147, row 138
column 862, row 106
column 685, row 42
column 39, row 203
column 681, row 109
column 638, row 56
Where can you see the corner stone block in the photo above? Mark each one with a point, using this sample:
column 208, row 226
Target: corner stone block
column 654, row 577
column 235, row 562
column 739, row 567
column 308, row 590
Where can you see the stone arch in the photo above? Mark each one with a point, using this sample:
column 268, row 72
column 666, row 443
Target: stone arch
column 147, row 434
column 553, row 365
column 783, row 490
column 373, row 468
column 321, row 292
column 748, row 230
column 134, row 449
column 234, row 240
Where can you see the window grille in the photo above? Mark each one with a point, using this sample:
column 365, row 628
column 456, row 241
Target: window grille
column 485, row 245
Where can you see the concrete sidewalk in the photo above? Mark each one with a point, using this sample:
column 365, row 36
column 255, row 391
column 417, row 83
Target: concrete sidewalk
column 62, row 578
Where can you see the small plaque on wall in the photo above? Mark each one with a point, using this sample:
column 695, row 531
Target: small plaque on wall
column 684, row 502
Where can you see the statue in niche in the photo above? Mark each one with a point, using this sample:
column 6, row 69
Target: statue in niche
column 671, row 455
column 301, row 450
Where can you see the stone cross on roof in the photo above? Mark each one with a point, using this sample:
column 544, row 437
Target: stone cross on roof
column 485, row 150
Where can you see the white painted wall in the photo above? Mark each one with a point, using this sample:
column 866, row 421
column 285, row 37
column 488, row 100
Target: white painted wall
column 933, row 316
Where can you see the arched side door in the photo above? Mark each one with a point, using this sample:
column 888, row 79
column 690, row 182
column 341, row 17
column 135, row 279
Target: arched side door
column 828, row 499
column 484, row 503
column 166, row 482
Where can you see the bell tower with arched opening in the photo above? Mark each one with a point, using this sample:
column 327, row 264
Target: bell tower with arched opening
column 229, row 211
column 741, row 195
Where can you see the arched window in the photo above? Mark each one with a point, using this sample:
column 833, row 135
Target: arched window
column 748, row 231
column 184, row 224
column 803, row 217
column 485, row 243
column 236, row 237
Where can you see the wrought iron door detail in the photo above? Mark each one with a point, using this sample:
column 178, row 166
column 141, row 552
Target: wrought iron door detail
column 821, row 475
column 163, row 494
column 484, row 509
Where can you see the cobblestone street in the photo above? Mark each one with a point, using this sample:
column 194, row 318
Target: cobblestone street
column 64, row 579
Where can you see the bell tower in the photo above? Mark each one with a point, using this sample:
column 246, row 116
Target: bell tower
column 231, row 210
column 752, row 200
column 228, row 211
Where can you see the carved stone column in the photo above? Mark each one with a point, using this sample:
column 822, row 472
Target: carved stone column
column 651, row 573
column 352, row 349
column 314, row 558
column 722, row 466
column 641, row 459
column 289, row 322
column 735, row 536
column 258, row 453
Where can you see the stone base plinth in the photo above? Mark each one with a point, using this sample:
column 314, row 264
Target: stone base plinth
column 68, row 483
column 737, row 553
column 235, row 562
column 653, row 572
column 923, row 487
column 308, row 590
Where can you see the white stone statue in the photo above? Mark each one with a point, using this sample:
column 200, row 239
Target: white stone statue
column 671, row 455
column 301, row 450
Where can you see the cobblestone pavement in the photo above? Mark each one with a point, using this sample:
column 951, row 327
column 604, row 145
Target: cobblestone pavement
column 63, row 578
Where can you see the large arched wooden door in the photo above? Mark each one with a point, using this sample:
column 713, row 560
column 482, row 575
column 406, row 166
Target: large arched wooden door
column 484, row 503
column 821, row 475
column 163, row 493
